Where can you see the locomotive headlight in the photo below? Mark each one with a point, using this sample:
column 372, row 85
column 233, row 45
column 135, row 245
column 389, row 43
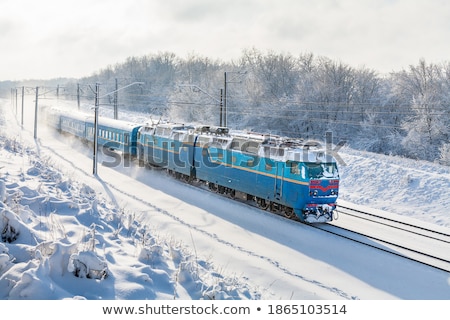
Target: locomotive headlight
column 313, row 193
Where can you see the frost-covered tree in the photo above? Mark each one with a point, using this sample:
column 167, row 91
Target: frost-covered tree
column 423, row 88
column 405, row 113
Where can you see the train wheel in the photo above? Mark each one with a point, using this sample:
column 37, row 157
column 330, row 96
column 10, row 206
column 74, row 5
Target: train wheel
column 288, row 213
column 212, row 187
column 262, row 203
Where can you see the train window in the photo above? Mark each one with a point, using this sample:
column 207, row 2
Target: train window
column 321, row 170
column 295, row 167
column 222, row 142
column 250, row 162
column 269, row 166
column 314, row 170
column 273, row 151
column 236, row 144
column 250, row 146
column 277, row 152
column 330, row 170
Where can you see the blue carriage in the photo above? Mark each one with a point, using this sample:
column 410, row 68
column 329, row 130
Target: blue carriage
column 113, row 134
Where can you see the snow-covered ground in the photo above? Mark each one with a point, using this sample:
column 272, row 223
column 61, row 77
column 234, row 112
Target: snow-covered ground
column 418, row 189
column 134, row 233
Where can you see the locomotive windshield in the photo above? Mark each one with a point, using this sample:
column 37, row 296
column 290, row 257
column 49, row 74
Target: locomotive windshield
column 321, row 170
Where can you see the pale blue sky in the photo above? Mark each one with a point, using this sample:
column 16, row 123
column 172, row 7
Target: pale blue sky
column 74, row 38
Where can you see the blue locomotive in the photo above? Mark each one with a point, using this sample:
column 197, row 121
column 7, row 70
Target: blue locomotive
column 286, row 176
column 282, row 175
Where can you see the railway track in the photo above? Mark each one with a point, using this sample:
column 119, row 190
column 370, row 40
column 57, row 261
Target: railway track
column 428, row 245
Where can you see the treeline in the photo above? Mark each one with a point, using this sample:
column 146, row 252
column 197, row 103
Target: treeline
column 405, row 113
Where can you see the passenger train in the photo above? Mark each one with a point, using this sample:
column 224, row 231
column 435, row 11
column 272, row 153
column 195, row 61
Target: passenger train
column 286, row 176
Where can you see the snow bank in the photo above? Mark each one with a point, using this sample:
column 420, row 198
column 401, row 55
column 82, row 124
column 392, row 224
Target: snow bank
column 413, row 188
column 61, row 240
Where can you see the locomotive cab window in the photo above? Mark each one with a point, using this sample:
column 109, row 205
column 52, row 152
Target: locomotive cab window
column 321, row 170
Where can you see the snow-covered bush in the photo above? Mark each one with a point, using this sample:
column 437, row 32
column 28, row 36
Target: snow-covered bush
column 9, row 226
column 87, row 264
column 5, row 259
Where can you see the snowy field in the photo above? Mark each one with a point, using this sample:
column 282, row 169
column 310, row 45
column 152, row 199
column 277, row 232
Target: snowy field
column 418, row 189
column 133, row 233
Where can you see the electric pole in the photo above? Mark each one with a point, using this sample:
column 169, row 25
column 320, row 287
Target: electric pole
column 23, row 97
column 116, row 101
column 94, row 170
column 221, row 108
column 226, row 81
column 78, row 95
column 225, row 100
column 16, row 101
column 36, row 112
